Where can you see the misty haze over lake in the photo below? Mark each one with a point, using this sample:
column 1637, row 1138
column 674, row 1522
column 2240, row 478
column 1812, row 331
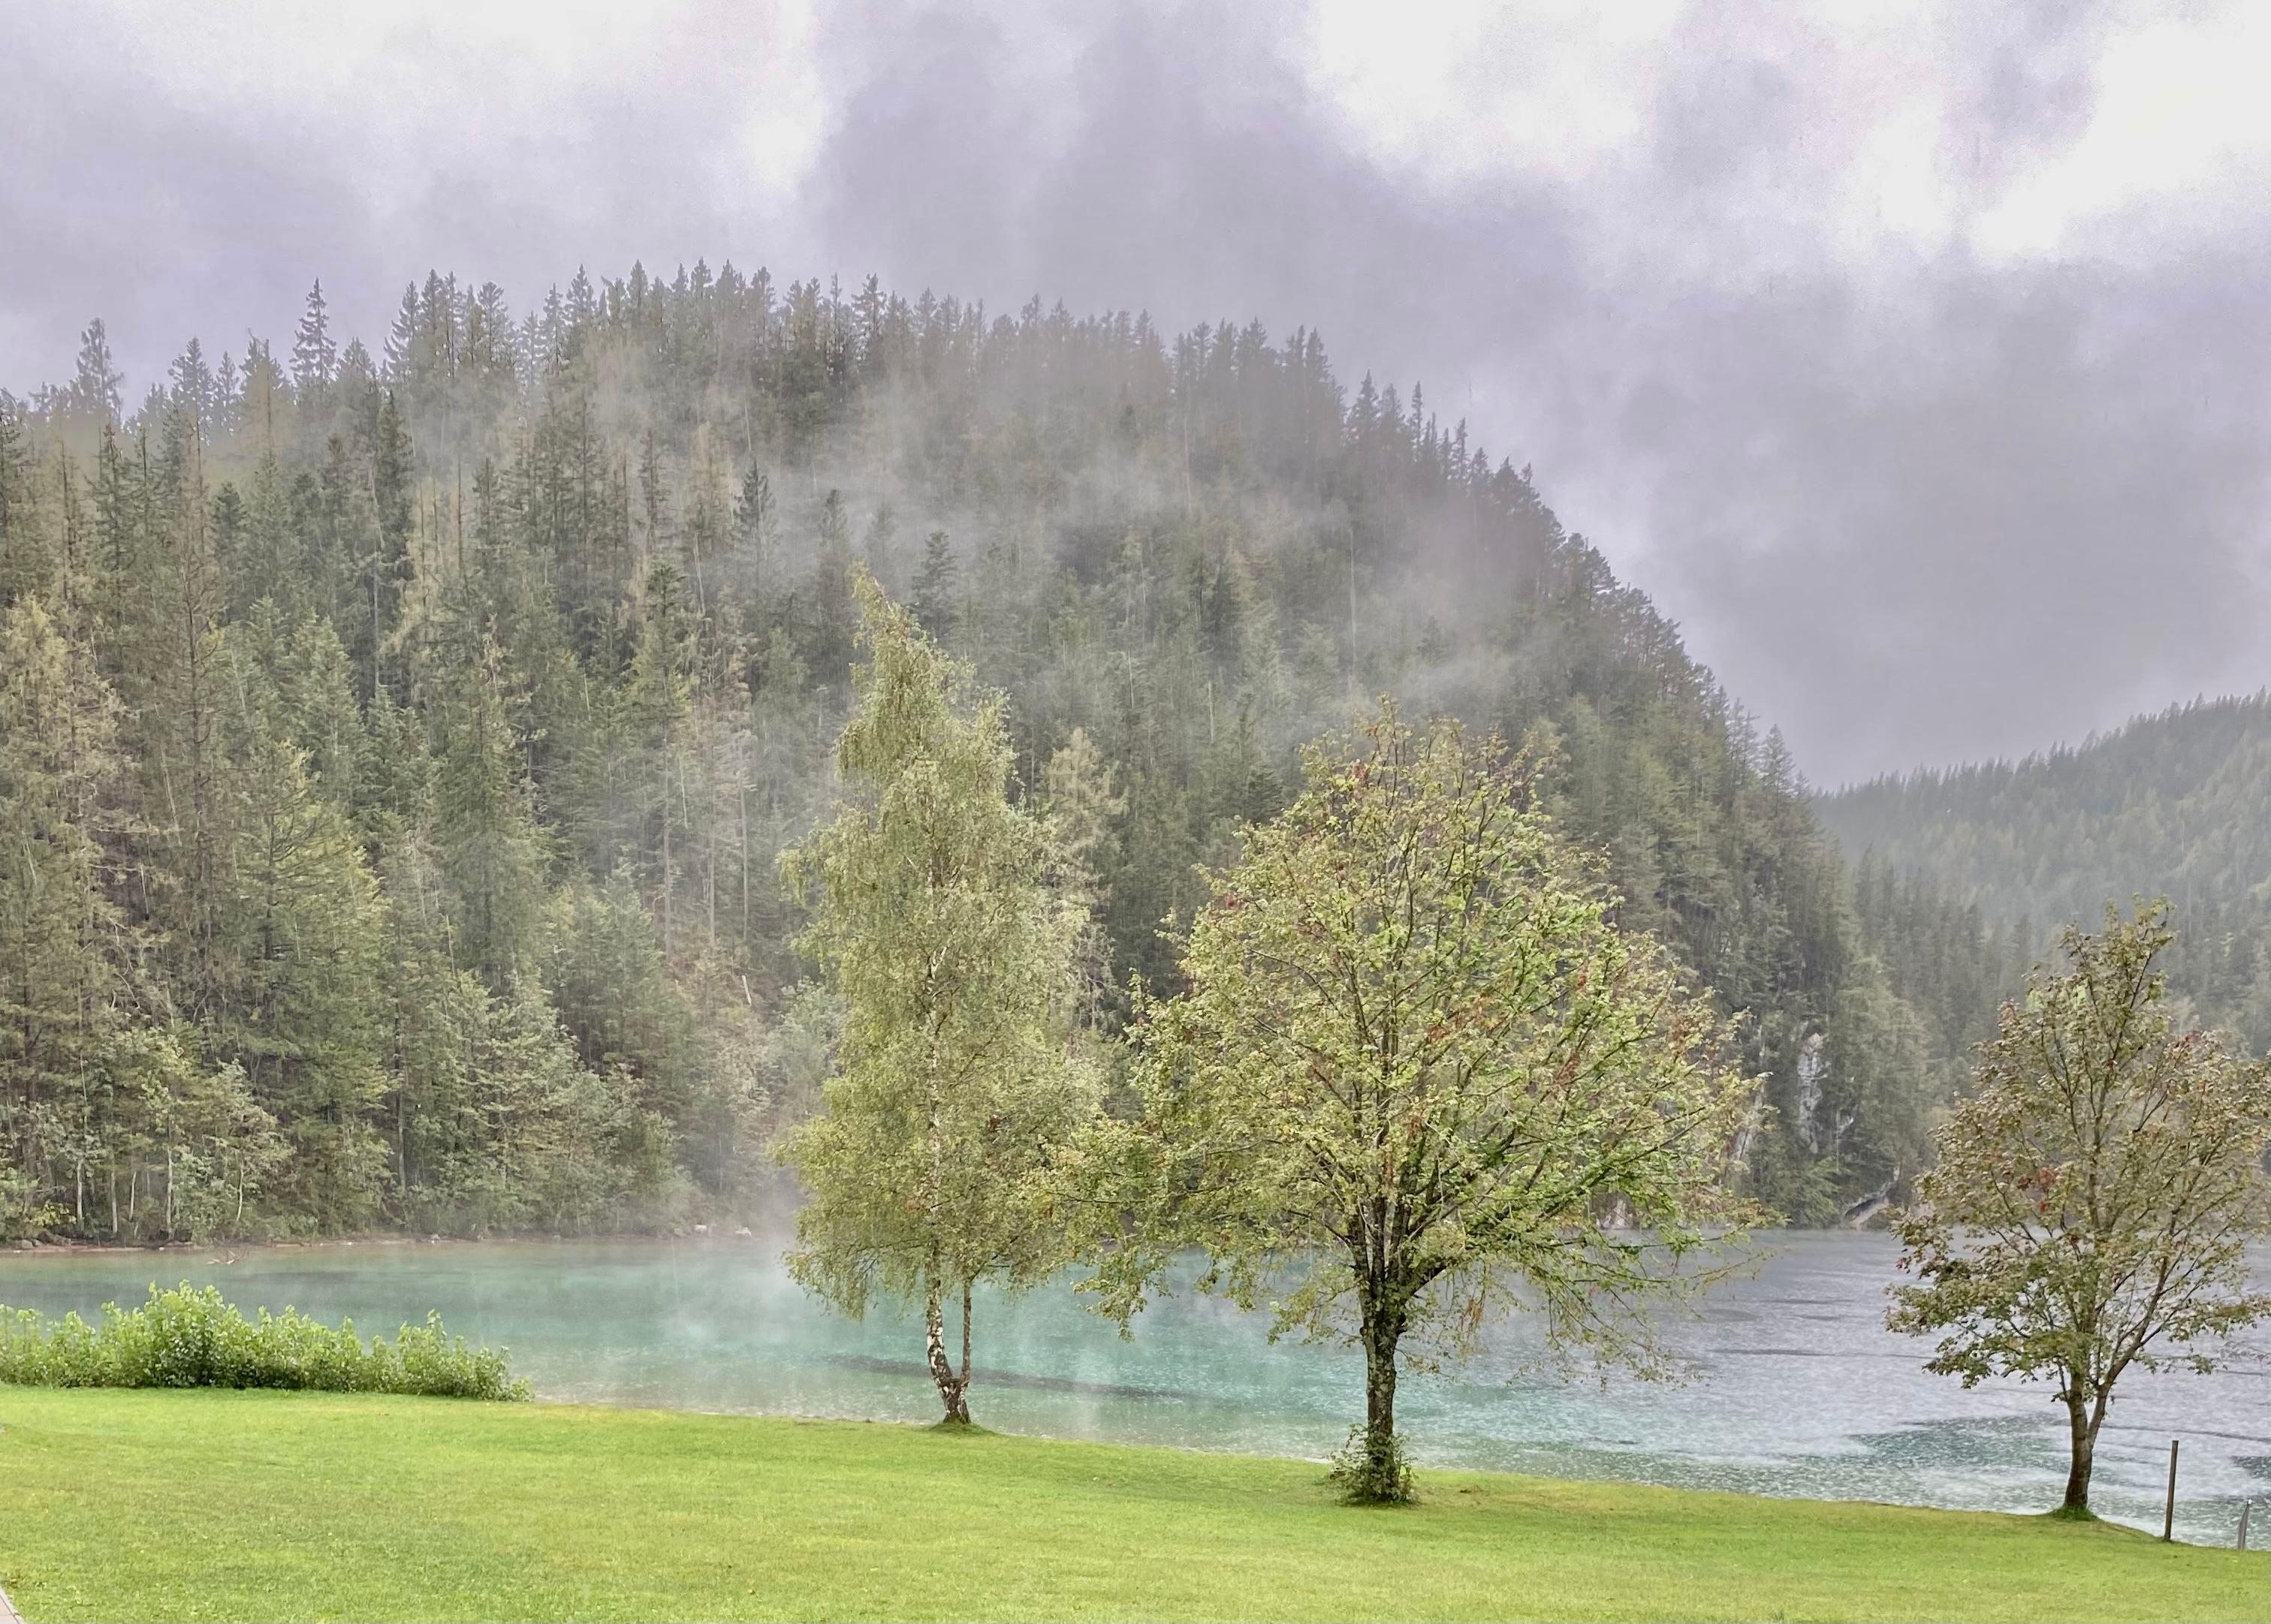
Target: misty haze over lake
column 1795, row 1386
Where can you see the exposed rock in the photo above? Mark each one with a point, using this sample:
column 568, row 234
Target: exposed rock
column 1858, row 1215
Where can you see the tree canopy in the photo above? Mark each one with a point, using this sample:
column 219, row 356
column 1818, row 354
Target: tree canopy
column 1968, row 873
column 1418, row 1068
column 926, row 1169
column 2094, row 1197
column 451, row 693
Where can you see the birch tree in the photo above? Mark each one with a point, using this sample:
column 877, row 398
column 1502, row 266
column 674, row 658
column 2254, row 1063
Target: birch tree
column 1417, row 1066
column 927, row 1169
column 2095, row 1196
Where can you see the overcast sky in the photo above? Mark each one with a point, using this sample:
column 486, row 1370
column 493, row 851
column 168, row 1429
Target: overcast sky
column 1912, row 357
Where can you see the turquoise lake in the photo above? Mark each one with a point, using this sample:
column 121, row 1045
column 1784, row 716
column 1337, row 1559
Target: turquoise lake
column 1794, row 1386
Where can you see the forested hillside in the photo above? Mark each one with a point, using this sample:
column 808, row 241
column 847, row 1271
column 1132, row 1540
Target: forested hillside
column 397, row 747
column 2173, row 805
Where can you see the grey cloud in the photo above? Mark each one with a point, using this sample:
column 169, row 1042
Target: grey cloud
column 1964, row 511
column 115, row 203
column 1911, row 512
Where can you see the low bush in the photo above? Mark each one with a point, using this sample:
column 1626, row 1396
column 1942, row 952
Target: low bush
column 187, row 1338
column 1371, row 1471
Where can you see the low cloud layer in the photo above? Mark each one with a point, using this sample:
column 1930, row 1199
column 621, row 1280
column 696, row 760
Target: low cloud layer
column 1907, row 362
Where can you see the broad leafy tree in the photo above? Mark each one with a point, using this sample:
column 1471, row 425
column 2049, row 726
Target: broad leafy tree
column 1416, row 1072
column 927, row 1169
column 2094, row 1197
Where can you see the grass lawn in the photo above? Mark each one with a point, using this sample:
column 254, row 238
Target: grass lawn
column 219, row 1505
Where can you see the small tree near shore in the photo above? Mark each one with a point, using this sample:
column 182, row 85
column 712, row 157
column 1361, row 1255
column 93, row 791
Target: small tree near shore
column 2094, row 1197
column 1416, row 1064
column 927, row 1168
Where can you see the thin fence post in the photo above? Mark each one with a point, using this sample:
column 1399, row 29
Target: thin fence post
column 2168, row 1516
column 2246, row 1511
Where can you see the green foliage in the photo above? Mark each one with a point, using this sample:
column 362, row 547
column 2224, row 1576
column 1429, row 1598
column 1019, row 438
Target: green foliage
column 485, row 823
column 2095, row 1196
column 1418, row 1068
column 928, row 1166
column 59, row 988
column 295, row 954
column 186, row 1337
column 1370, row 1469
column 515, row 653
column 2168, row 805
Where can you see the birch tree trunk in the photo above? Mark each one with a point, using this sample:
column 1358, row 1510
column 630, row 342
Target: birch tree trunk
column 951, row 1388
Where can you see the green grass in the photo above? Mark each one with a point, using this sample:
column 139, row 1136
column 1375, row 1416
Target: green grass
column 263, row 1505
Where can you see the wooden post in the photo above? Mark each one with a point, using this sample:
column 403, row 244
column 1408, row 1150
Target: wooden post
column 2168, row 1516
column 2246, row 1511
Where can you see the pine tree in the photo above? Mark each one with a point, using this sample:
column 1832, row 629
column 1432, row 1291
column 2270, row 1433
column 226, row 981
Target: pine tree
column 654, row 503
column 404, row 369
column 300, row 950
column 704, row 537
column 1083, row 808
column 194, row 389
column 389, row 567
column 23, row 560
column 492, row 851
column 659, row 698
column 315, row 360
column 753, row 526
column 62, row 938
column 835, row 610
column 628, row 1019
column 173, row 679
column 434, row 1016
column 934, row 595
column 94, row 390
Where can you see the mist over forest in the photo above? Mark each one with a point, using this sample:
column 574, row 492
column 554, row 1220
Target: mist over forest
column 402, row 741
column 854, row 809
column 2169, row 804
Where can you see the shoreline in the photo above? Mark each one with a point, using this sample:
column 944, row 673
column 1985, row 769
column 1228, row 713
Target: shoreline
column 375, row 1239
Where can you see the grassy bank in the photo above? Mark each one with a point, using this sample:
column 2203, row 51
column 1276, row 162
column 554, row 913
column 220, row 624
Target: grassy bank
column 259, row 1505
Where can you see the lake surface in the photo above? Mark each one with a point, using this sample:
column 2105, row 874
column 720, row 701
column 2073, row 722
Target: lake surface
column 1796, row 1388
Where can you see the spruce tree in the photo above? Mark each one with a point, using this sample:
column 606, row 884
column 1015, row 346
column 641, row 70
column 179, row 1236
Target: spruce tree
column 492, row 852
column 300, row 950
column 753, row 527
column 62, row 978
column 94, row 390
column 934, row 595
column 314, row 359
column 17, row 546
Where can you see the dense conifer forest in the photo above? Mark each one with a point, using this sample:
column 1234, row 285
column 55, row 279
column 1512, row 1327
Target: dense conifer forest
column 395, row 749
column 2005, row 852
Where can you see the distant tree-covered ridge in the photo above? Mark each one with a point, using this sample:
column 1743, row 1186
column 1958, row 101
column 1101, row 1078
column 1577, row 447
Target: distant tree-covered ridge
column 2172, row 805
column 396, row 747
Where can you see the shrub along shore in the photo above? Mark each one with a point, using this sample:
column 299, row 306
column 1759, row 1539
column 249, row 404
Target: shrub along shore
column 257, row 1505
column 187, row 1338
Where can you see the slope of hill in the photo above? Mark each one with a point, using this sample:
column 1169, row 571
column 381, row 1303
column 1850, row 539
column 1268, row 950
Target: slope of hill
column 2173, row 804
column 398, row 747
